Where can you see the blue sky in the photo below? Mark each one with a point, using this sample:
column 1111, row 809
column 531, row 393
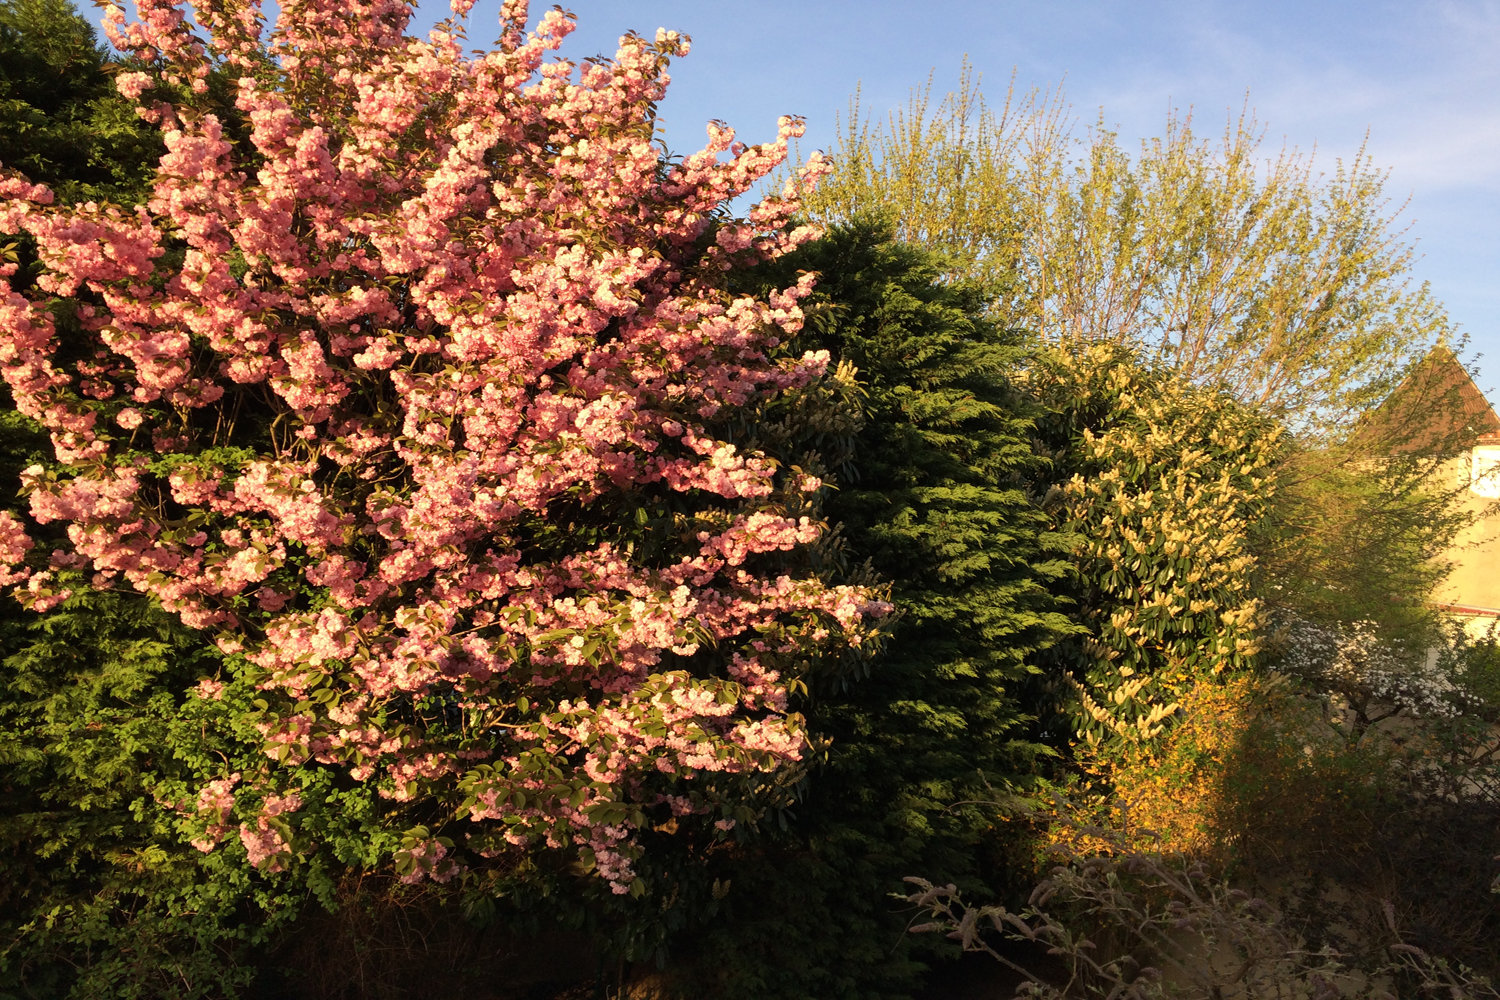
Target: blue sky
column 1421, row 78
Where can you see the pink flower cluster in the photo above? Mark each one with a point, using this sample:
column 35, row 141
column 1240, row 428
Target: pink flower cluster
column 215, row 803
column 14, row 544
column 264, row 838
column 355, row 387
column 430, row 859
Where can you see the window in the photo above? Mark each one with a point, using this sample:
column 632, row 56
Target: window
column 1484, row 471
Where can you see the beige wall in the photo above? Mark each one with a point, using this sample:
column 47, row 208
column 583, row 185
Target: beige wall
column 1475, row 581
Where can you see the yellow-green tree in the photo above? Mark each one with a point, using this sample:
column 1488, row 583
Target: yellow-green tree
column 1244, row 269
column 1237, row 266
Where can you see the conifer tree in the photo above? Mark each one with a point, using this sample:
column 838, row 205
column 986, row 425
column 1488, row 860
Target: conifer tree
column 61, row 120
column 932, row 496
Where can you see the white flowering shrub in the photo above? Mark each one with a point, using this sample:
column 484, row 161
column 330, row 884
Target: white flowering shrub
column 1377, row 677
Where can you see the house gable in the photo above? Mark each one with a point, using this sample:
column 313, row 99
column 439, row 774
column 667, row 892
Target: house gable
column 1437, row 410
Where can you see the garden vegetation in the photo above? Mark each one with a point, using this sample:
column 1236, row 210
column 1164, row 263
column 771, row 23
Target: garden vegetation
column 455, row 547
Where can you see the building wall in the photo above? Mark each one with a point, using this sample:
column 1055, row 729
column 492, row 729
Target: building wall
column 1475, row 581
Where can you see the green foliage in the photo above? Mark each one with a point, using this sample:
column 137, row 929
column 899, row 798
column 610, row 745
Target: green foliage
column 933, row 496
column 1288, row 287
column 100, row 894
column 104, row 749
column 1364, row 529
column 1478, row 664
column 61, row 121
column 1162, row 484
column 1373, row 831
column 99, row 899
column 1357, row 541
column 101, row 745
column 1223, row 322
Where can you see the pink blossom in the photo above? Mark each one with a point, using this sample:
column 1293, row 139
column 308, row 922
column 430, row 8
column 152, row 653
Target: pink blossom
column 14, row 544
column 381, row 346
column 210, row 689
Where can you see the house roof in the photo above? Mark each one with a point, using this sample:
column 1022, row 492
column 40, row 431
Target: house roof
column 1436, row 410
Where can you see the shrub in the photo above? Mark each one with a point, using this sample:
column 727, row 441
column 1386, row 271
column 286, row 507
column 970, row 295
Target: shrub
column 1161, row 484
column 1138, row 923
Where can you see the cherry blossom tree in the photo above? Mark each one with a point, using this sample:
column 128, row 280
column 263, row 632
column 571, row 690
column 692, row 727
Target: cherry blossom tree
column 409, row 385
